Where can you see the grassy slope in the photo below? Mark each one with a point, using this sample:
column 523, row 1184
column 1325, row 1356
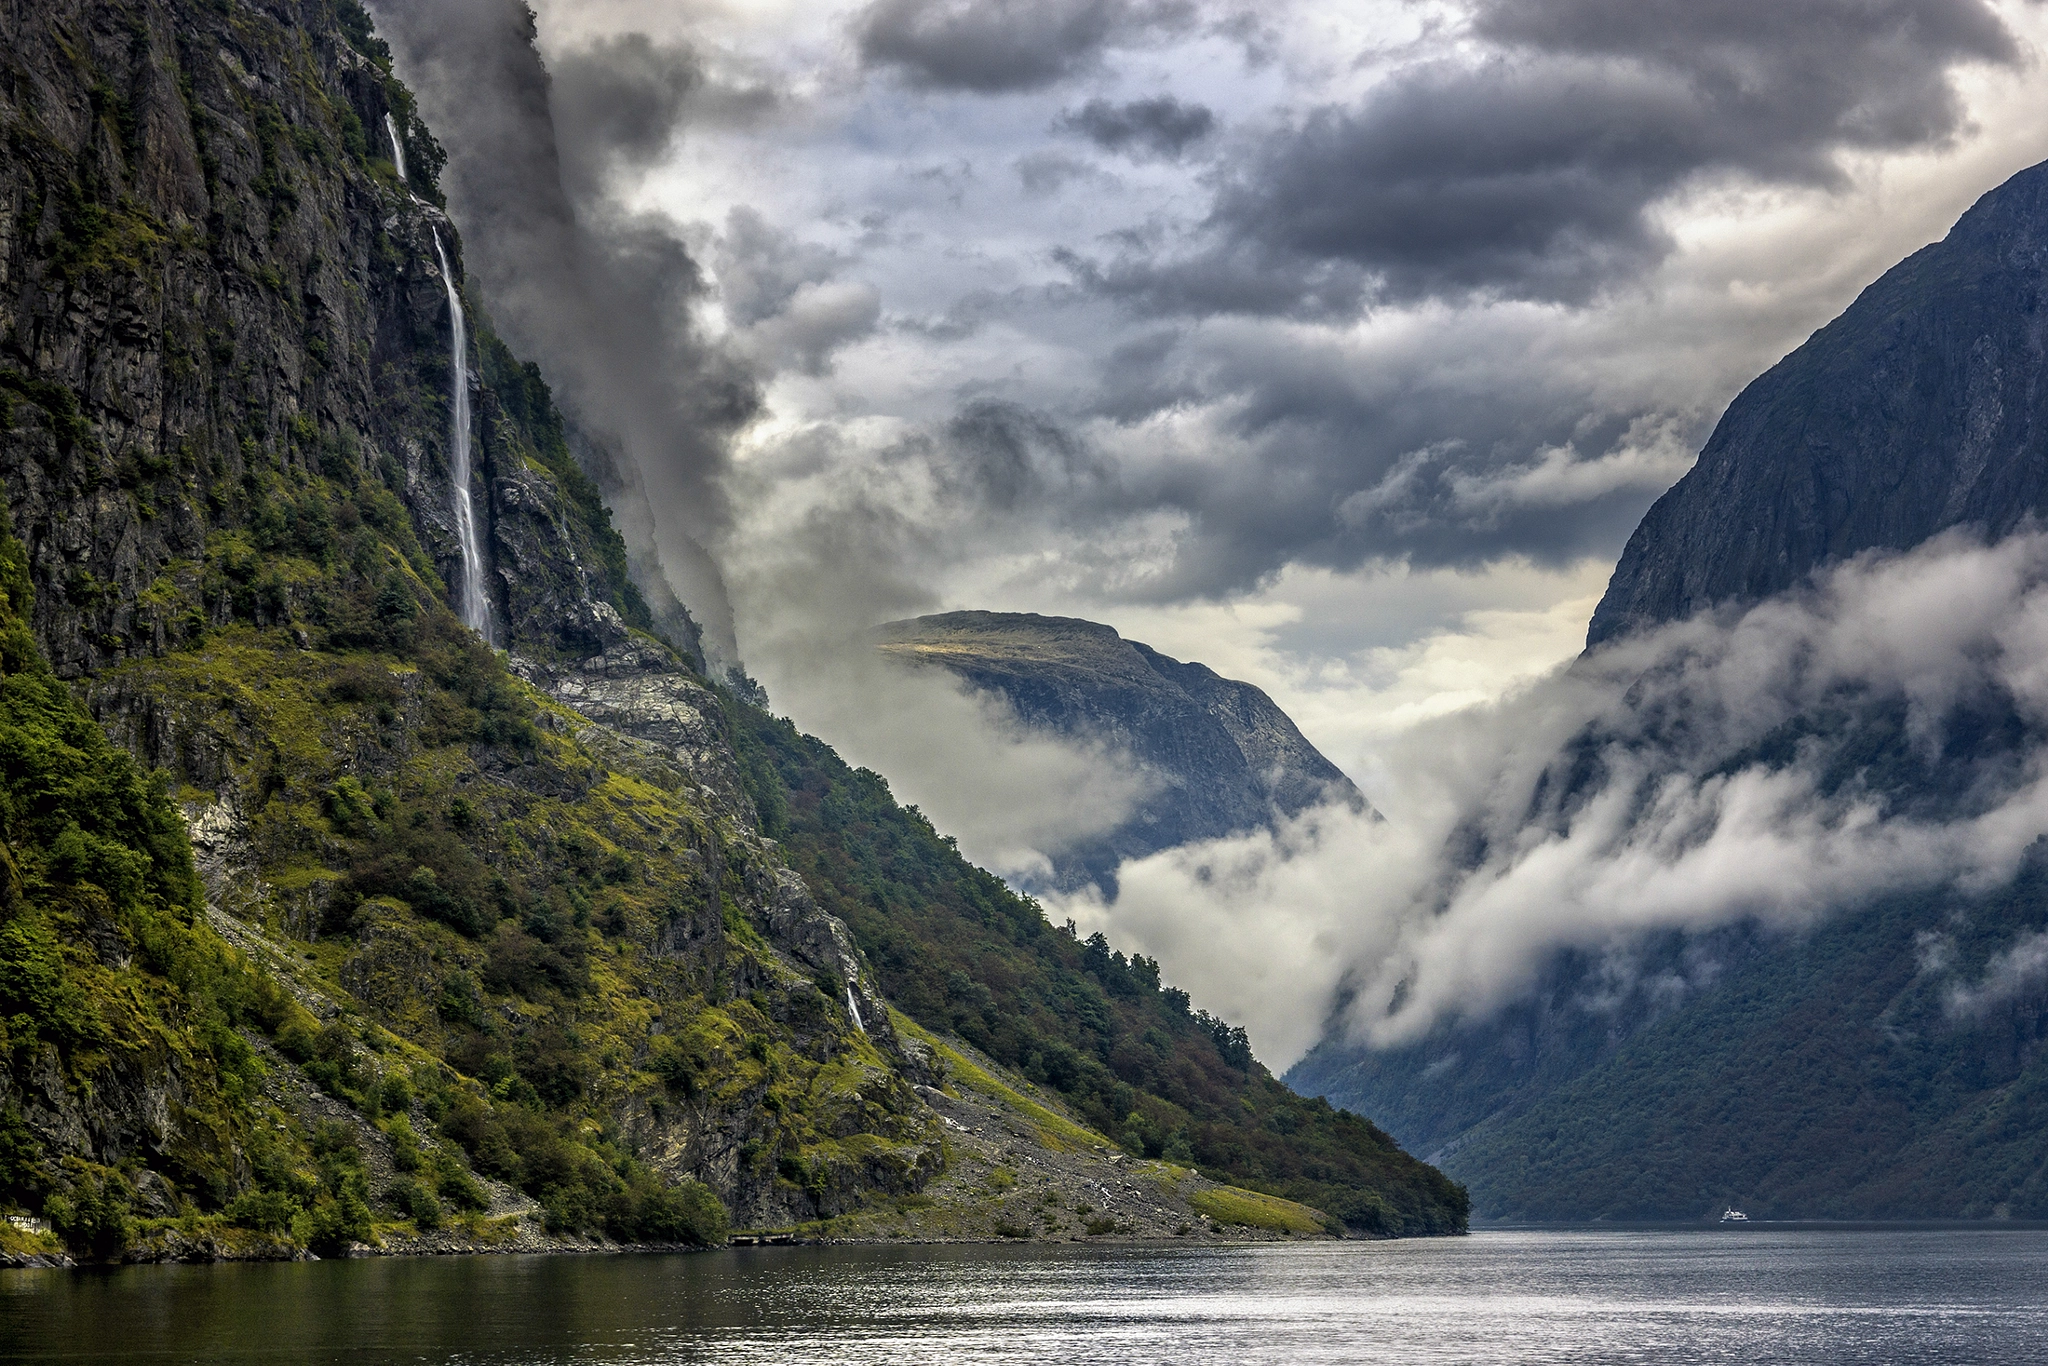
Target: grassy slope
column 960, row 953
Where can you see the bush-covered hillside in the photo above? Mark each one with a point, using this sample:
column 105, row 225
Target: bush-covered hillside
column 106, row 973
column 960, row 953
column 1830, row 1077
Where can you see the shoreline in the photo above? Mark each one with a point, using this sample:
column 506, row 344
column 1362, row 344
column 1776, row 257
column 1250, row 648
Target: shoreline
column 552, row 1247
column 179, row 1248
column 205, row 1251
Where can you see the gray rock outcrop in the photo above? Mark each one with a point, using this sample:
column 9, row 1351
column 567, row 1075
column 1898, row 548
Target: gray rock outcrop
column 1921, row 408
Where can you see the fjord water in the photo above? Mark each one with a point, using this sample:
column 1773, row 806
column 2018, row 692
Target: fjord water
column 1908, row 1296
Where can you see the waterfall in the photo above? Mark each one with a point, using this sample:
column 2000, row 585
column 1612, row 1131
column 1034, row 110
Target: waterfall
column 476, row 611
column 397, row 148
column 854, row 1006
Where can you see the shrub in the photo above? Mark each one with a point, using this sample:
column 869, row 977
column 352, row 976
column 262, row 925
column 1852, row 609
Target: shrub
column 268, row 1211
column 417, row 1203
column 394, row 1095
column 651, row 1210
column 460, row 1002
column 92, row 1214
column 460, row 1189
column 335, row 1222
column 678, row 1065
column 405, row 1145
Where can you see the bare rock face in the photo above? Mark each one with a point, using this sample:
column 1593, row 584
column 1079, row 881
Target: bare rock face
column 1919, row 409
column 1222, row 757
column 640, row 689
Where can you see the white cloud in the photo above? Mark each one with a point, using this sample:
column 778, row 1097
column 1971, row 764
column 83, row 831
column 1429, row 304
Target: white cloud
column 1618, row 796
column 2019, row 971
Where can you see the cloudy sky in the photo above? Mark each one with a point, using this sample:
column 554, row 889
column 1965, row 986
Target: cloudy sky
column 1338, row 344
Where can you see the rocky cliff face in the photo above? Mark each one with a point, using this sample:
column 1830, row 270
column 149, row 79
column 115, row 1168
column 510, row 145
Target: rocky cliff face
column 1919, row 409
column 215, row 288
column 1222, row 758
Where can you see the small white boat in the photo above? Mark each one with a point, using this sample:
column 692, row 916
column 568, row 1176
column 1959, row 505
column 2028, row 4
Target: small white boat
column 1732, row 1215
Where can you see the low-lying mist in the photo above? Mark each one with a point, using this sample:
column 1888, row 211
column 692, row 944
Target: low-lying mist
column 1877, row 732
column 1011, row 796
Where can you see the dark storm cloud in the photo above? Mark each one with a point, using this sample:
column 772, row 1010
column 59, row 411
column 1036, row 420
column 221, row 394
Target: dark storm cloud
column 760, row 269
column 1530, row 172
column 598, row 296
column 1523, row 178
column 624, row 100
column 1161, row 126
column 1867, row 71
column 1356, row 482
column 1231, row 277
column 626, row 95
column 1316, row 471
column 1045, row 173
column 993, row 46
column 1138, row 379
column 1008, row 457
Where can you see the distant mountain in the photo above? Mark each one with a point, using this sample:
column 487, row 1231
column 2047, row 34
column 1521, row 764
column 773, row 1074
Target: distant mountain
column 1225, row 758
column 1829, row 1073
column 1921, row 408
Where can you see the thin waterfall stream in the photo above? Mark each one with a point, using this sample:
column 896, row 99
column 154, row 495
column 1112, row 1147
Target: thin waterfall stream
column 476, row 612
column 397, row 151
column 474, row 607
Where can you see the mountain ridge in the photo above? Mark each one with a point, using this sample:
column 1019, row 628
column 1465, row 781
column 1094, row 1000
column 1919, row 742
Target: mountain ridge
column 1223, row 758
column 1823, row 455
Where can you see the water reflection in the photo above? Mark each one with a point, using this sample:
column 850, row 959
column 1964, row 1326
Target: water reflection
column 1762, row 1296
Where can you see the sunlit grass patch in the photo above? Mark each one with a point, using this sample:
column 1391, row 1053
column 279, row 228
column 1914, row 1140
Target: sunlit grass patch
column 1229, row 1205
column 1055, row 1131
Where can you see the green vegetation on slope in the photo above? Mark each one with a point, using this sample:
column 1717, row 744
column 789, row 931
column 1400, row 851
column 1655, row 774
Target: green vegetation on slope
column 108, row 978
column 471, row 915
column 499, row 891
column 1833, row 1077
column 109, row 974
column 960, row 953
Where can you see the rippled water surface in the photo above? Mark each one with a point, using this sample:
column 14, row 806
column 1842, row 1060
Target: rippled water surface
column 1751, row 1295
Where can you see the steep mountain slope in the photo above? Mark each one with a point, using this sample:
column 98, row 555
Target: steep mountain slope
column 475, row 945
column 547, row 944
column 962, row 954
column 1887, row 1060
column 1921, row 408
column 1223, row 758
